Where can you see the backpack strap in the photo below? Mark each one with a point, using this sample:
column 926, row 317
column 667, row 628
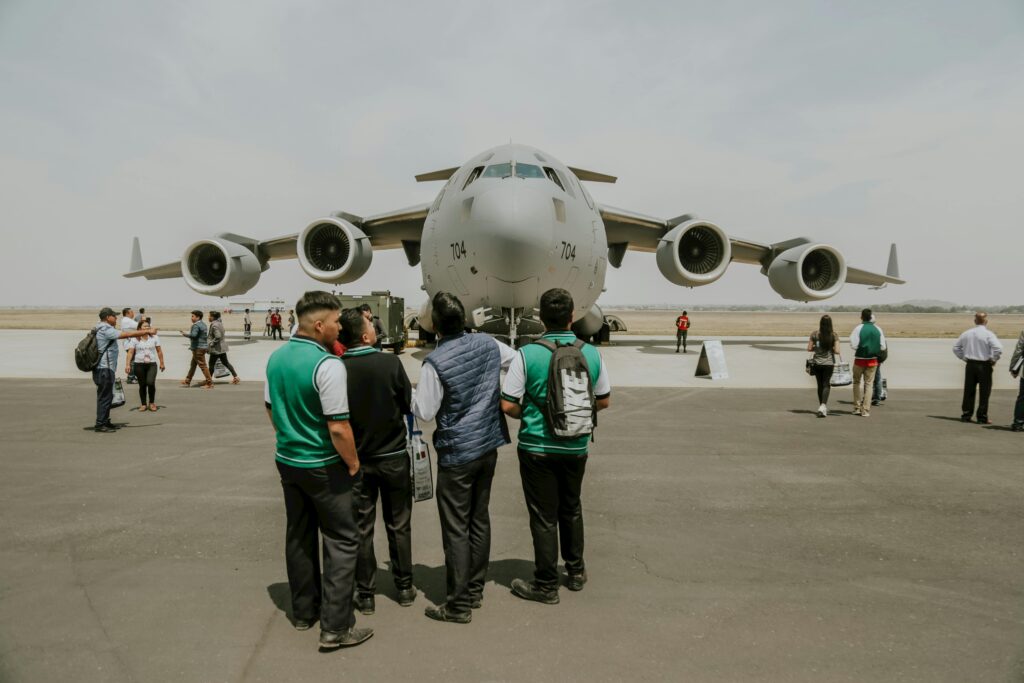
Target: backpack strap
column 547, row 344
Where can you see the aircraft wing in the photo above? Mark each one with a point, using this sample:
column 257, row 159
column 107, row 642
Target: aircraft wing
column 390, row 230
column 629, row 230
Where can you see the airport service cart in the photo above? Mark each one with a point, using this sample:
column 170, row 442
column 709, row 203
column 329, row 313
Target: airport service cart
column 390, row 310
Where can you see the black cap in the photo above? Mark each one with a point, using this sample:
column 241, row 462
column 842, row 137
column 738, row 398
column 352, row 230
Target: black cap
column 106, row 312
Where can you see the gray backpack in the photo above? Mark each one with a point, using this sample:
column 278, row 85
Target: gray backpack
column 570, row 410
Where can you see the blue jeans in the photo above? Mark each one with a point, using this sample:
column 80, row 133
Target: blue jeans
column 103, row 378
column 876, row 390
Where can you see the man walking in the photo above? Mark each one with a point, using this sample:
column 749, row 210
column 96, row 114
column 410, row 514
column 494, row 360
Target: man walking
column 980, row 349
column 1016, row 365
column 551, row 467
column 379, row 398
column 103, row 374
column 868, row 343
column 306, row 397
column 128, row 324
column 682, row 327
column 197, row 346
column 459, row 385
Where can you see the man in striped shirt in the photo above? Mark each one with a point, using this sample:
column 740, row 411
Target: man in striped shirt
column 307, row 401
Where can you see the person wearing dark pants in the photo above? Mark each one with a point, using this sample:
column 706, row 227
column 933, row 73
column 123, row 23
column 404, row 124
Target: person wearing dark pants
column 103, row 374
column 551, row 486
column 306, row 397
column 1016, row 367
column 824, row 344
column 379, row 399
column 218, row 346
column 144, row 353
column 980, row 349
column 551, row 467
column 459, row 386
column 682, row 329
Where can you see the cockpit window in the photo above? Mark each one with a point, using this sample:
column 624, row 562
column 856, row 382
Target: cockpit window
column 553, row 177
column 474, row 174
column 528, row 171
column 498, row 171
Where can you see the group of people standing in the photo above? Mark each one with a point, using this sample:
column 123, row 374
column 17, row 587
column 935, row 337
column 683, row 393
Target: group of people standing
column 341, row 428
column 273, row 323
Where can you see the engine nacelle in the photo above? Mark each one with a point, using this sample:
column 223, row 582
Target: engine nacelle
column 809, row 272
column 220, row 267
column 590, row 324
column 333, row 250
column 694, row 253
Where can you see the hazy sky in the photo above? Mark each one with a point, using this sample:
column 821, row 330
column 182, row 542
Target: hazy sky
column 856, row 123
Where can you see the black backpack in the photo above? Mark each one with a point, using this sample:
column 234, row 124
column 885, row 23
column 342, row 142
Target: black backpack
column 570, row 410
column 87, row 353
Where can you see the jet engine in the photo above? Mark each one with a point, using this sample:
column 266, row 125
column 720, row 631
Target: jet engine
column 333, row 250
column 590, row 324
column 809, row 272
column 694, row 253
column 220, row 267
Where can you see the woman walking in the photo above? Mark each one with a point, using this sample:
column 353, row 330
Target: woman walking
column 145, row 351
column 825, row 345
column 219, row 346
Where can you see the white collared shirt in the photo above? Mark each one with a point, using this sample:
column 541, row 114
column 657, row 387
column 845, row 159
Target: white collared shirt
column 978, row 343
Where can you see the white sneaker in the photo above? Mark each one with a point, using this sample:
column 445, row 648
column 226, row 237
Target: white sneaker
column 857, row 411
column 823, row 410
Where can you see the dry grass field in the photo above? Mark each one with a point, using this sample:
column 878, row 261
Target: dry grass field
column 704, row 323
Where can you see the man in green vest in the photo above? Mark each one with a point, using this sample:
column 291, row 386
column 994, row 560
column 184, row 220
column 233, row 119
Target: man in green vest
column 551, row 468
column 868, row 343
column 307, row 401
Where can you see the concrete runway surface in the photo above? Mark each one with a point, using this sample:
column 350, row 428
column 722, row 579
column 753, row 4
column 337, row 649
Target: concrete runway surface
column 731, row 536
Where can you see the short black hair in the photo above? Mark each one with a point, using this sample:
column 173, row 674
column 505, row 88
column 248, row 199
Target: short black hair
column 365, row 308
column 197, row 313
column 106, row 312
column 315, row 301
column 556, row 307
column 215, row 314
column 685, row 313
column 142, row 309
column 865, row 315
column 247, row 310
column 447, row 313
column 353, row 324
column 124, row 311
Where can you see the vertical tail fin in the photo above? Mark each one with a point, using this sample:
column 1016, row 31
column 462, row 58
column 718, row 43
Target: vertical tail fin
column 894, row 266
column 136, row 264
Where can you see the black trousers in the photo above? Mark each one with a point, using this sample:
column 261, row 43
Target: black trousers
column 387, row 479
column 463, row 497
column 223, row 358
column 551, row 485
column 823, row 376
column 1018, row 408
column 977, row 374
column 275, row 332
column 104, row 381
column 146, row 374
column 680, row 338
column 320, row 499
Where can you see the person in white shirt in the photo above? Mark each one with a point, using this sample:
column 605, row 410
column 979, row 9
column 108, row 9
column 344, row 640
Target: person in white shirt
column 144, row 354
column 128, row 324
column 980, row 349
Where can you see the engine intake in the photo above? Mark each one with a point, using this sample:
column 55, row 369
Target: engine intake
column 809, row 272
column 694, row 253
column 220, row 267
column 333, row 250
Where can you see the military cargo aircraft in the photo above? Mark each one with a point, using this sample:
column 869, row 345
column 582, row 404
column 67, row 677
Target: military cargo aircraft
column 509, row 224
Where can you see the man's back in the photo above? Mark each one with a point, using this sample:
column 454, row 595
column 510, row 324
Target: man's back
column 379, row 396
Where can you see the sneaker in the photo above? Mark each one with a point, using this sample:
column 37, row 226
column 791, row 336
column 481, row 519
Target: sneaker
column 441, row 613
column 476, row 603
column 965, row 418
column 821, row 410
column 876, row 403
column 104, row 429
column 329, row 640
column 406, row 596
column 575, row 581
column 365, row 604
column 984, row 421
column 304, row 624
column 865, row 413
column 824, row 410
column 1017, row 427
column 858, row 411
column 111, row 425
column 529, row 591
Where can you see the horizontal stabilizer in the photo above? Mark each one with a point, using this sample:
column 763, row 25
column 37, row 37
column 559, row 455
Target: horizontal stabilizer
column 593, row 176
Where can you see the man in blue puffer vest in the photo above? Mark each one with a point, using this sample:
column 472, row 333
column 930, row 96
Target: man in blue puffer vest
column 459, row 387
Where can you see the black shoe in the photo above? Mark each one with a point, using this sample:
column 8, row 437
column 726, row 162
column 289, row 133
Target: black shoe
column 529, row 591
column 365, row 604
column 984, row 421
column 1017, row 427
column 575, row 581
column 304, row 624
column 965, row 418
column 104, row 429
column 330, row 640
column 476, row 603
column 406, row 596
column 441, row 613
column 876, row 403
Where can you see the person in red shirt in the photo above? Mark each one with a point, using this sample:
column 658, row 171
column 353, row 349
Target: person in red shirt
column 275, row 324
column 682, row 327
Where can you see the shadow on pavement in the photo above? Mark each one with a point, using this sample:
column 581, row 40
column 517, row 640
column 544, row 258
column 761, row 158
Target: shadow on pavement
column 947, row 418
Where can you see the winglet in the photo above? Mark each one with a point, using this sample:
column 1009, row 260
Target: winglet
column 893, row 270
column 136, row 264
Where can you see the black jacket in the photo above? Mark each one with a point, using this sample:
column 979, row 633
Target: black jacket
column 379, row 395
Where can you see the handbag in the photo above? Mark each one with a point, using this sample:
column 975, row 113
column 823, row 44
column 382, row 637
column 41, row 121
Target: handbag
column 219, row 370
column 842, row 375
column 419, row 462
column 809, row 366
column 119, row 399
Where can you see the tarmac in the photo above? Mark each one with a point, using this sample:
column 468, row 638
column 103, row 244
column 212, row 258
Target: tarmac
column 731, row 536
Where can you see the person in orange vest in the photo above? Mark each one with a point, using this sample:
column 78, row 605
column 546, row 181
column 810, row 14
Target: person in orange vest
column 682, row 327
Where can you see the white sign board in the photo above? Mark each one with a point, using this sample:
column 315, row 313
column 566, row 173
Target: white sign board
column 712, row 361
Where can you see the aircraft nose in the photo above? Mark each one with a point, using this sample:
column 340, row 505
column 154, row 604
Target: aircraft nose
column 514, row 225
